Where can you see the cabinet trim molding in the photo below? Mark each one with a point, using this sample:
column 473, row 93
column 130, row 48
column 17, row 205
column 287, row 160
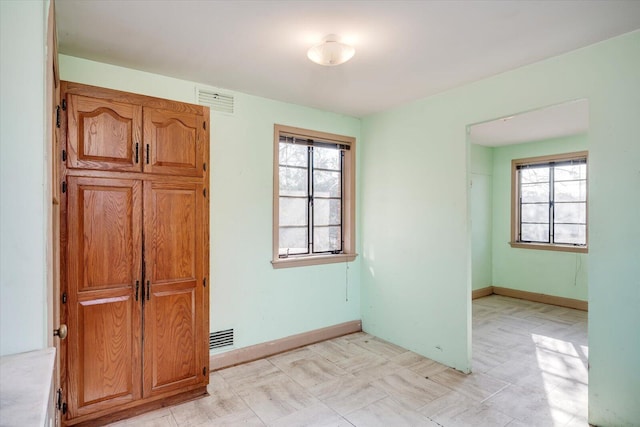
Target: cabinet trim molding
column 131, row 98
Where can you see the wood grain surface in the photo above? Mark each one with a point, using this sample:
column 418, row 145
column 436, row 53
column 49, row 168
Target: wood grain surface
column 175, row 142
column 174, row 261
column 104, row 262
column 103, row 134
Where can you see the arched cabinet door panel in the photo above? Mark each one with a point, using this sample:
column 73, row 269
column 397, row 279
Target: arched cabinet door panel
column 104, row 134
column 174, row 142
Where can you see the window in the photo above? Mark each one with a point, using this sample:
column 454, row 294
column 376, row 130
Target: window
column 549, row 202
column 313, row 200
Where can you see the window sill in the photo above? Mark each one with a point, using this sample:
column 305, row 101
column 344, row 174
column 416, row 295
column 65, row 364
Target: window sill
column 550, row 247
column 312, row 260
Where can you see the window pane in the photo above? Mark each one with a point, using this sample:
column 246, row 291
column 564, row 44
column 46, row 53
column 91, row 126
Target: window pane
column 570, row 172
column 571, row 212
column 293, row 241
column 293, row 155
column 293, row 211
column 570, row 191
column 326, row 184
column 326, row 158
column 535, row 233
column 326, row 212
column 326, row 239
column 535, row 212
column 572, row 234
column 535, row 193
column 534, row 174
column 293, row 181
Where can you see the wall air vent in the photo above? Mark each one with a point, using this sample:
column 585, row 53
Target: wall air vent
column 216, row 101
column 220, row 339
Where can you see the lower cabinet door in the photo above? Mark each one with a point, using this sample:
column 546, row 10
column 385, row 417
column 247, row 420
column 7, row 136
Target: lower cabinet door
column 103, row 270
column 173, row 307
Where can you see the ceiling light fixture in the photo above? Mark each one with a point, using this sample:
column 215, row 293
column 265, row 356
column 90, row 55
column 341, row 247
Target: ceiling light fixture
column 331, row 52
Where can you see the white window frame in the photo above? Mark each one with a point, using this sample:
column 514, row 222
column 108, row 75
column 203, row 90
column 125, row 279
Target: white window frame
column 515, row 203
column 348, row 199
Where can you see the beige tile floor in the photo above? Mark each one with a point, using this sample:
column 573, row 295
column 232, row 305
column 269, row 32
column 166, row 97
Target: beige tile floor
column 529, row 369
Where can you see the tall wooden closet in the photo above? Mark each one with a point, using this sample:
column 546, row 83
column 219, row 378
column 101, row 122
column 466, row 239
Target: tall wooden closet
column 135, row 252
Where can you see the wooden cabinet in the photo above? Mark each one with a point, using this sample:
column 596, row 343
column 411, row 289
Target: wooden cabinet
column 108, row 135
column 135, row 253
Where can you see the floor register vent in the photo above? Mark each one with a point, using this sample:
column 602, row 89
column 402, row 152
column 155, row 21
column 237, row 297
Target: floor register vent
column 216, row 101
column 221, row 339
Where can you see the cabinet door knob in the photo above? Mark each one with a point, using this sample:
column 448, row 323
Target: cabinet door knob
column 61, row 332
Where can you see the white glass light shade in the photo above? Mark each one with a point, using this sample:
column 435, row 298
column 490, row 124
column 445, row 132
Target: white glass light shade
column 331, row 52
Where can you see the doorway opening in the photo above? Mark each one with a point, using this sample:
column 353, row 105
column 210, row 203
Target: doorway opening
column 529, row 310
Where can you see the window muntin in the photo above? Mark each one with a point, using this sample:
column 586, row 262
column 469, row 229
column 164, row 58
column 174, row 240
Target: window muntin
column 313, row 197
column 550, row 200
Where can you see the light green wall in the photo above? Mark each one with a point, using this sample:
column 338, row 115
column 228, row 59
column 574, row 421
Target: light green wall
column 561, row 274
column 416, row 276
column 416, row 279
column 481, row 210
column 23, row 196
column 247, row 294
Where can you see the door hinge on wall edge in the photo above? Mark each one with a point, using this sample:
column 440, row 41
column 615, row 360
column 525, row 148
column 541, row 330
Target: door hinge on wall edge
column 204, row 125
column 204, row 282
column 64, row 297
column 64, row 105
column 204, row 192
column 64, row 155
column 204, row 371
column 64, row 186
column 57, row 116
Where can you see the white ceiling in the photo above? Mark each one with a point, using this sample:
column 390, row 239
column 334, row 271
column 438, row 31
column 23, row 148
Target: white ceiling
column 569, row 118
column 405, row 50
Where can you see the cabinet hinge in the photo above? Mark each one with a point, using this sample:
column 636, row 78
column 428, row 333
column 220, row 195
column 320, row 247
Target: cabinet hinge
column 64, row 186
column 204, row 371
column 57, row 116
column 64, row 105
column 64, row 297
column 204, row 125
column 204, row 166
column 64, row 155
column 204, row 282
column 60, row 405
column 204, row 192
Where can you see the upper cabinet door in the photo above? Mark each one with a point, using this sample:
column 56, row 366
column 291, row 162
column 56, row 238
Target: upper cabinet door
column 174, row 142
column 104, row 134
